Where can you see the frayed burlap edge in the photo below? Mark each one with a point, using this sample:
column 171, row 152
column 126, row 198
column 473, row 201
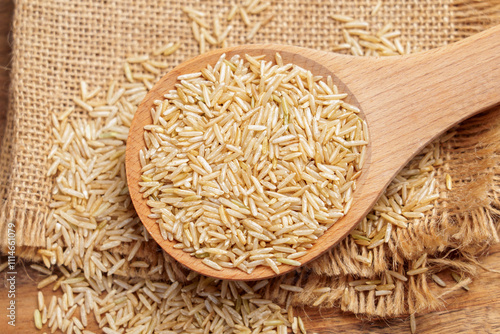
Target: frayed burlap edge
column 16, row 146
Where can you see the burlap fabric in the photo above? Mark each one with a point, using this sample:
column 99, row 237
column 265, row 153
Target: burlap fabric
column 59, row 43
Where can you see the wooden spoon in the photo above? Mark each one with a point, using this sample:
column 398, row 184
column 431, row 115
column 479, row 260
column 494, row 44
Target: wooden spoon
column 407, row 101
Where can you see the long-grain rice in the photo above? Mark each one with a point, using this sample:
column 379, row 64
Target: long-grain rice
column 276, row 128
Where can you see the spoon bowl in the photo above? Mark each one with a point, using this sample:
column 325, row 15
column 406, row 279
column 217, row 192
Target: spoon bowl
column 407, row 101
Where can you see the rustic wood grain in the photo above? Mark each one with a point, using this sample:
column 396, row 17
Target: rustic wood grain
column 407, row 101
column 477, row 311
column 6, row 9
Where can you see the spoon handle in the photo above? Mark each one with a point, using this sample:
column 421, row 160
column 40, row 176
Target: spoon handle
column 410, row 100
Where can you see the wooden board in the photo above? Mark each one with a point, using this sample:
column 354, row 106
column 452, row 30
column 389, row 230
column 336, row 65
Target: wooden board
column 477, row 311
column 6, row 10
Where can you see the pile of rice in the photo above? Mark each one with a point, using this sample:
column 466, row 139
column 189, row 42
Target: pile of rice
column 248, row 162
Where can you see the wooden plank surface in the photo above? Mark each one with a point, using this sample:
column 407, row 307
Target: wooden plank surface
column 477, row 311
column 6, row 10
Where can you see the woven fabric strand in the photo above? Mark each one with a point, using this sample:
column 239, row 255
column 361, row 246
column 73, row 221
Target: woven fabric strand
column 46, row 84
